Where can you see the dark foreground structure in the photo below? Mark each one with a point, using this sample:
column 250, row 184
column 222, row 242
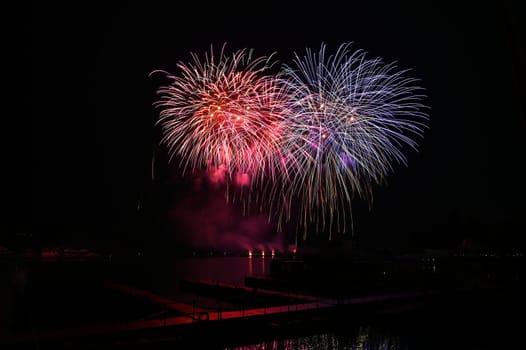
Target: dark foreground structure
column 98, row 304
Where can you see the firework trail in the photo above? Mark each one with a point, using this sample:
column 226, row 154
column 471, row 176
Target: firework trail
column 223, row 112
column 324, row 130
column 351, row 118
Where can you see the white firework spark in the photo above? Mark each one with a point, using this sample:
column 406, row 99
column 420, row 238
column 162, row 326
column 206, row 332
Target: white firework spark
column 351, row 119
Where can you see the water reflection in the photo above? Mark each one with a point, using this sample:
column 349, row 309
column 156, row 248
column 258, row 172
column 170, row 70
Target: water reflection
column 365, row 338
column 223, row 269
column 258, row 261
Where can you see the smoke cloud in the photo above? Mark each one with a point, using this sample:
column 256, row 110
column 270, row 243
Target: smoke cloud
column 205, row 219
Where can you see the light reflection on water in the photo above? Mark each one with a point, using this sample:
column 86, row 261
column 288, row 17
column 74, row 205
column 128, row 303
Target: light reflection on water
column 366, row 338
column 228, row 269
column 470, row 322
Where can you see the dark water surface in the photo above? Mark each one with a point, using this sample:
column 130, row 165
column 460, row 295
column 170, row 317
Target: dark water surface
column 53, row 295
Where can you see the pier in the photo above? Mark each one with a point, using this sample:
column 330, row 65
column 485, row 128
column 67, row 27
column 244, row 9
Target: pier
column 237, row 307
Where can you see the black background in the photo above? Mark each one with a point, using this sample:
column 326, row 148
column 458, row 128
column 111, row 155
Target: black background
column 92, row 135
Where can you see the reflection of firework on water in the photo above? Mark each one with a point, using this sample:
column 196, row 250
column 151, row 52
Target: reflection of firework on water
column 222, row 112
column 351, row 118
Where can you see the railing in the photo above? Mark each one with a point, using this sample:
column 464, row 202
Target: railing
column 234, row 310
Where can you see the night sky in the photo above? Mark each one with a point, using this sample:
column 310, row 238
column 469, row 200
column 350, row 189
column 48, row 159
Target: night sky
column 93, row 131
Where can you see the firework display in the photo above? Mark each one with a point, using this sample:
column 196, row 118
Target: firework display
column 350, row 119
column 308, row 139
column 222, row 112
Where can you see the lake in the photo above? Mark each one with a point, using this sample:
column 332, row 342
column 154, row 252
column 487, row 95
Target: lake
column 54, row 295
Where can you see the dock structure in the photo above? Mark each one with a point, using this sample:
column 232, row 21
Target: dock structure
column 190, row 317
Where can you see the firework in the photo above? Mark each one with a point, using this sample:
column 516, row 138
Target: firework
column 324, row 130
column 223, row 112
column 350, row 120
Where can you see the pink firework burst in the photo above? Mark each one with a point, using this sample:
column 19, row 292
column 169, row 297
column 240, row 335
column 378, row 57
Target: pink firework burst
column 223, row 111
